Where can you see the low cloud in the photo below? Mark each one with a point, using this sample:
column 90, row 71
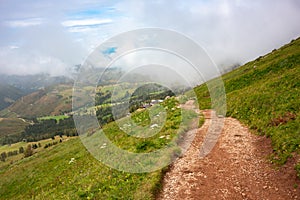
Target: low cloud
column 231, row 31
column 46, row 48
column 86, row 22
column 24, row 22
column 54, row 36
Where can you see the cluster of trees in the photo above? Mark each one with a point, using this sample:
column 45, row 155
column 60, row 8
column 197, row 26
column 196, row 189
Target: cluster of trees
column 146, row 93
column 5, row 155
column 41, row 130
column 116, row 110
column 109, row 113
column 102, row 97
column 52, row 144
column 27, row 152
column 48, row 129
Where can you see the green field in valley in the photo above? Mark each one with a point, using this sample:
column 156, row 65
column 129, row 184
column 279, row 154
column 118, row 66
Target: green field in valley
column 56, row 117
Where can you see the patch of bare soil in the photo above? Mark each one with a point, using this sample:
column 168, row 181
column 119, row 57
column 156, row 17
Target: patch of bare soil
column 236, row 168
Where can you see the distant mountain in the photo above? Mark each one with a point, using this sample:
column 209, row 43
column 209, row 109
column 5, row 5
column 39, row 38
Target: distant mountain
column 12, row 87
column 52, row 100
column 9, row 94
column 30, row 83
column 42, row 94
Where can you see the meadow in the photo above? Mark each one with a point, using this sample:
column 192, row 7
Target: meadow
column 68, row 171
column 264, row 94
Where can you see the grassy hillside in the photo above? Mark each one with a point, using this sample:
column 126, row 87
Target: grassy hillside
column 11, row 126
column 8, row 95
column 53, row 100
column 49, row 174
column 265, row 95
column 40, row 146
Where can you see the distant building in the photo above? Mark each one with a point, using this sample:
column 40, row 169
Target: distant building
column 155, row 101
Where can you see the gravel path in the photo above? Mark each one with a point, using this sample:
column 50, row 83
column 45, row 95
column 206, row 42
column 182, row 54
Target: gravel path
column 236, row 168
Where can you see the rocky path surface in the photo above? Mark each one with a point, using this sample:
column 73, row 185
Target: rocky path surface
column 236, row 168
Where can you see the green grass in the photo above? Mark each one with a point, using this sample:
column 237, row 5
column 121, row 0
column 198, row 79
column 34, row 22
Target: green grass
column 11, row 126
column 265, row 95
column 175, row 122
column 125, row 142
column 118, row 90
column 16, row 146
column 56, row 117
column 5, row 113
column 48, row 174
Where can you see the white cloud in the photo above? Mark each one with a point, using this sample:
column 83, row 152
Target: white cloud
column 24, row 22
column 81, row 29
column 30, row 62
column 230, row 30
column 86, row 22
column 13, row 47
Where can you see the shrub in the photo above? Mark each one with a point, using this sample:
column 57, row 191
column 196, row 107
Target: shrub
column 21, row 150
column 28, row 151
column 3, row 156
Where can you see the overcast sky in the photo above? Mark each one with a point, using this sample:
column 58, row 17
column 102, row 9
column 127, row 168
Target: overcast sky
column 52, row 36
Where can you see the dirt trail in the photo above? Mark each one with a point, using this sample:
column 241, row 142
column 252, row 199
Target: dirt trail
column 236, row 168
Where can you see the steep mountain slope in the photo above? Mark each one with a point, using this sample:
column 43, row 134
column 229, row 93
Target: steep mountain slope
column 11, row 126
column 53, row 100
column 12, row 87
column 8, row 95
column 265, row 95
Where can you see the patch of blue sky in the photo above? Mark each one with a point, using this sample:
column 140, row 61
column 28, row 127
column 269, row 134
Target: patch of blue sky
column 107, row 12
column 89, row 12
column 109, row 51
